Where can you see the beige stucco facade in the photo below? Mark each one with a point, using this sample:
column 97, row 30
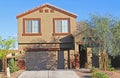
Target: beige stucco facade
column 46, row 26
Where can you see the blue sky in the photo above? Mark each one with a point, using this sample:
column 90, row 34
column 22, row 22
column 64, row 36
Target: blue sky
column 83, row 8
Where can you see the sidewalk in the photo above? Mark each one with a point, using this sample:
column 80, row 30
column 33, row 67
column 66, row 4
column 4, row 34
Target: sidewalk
column 80, row 73
column 49, row 74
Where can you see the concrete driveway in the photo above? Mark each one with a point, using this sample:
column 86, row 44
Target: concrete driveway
column 49, row 74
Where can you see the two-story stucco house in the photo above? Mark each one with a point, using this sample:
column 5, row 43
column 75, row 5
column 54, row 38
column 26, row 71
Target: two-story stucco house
column 45, row 34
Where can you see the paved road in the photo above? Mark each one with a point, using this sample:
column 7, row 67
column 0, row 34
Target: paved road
column 49, row 74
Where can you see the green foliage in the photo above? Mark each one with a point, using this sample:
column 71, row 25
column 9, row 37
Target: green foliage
column 109, row 63
column 93, row 69
column 102, row 33
column 6, row 45
column 5, row 48
column 1, row 54
column 116, row 39
column 102, row 36
column 99, row 75
column 110, row 68
column 12, row 65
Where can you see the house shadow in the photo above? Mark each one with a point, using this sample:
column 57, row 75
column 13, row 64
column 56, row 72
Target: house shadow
column 67, row 44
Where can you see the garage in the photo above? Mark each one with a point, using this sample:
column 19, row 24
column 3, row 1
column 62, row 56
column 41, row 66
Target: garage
column 41, row 60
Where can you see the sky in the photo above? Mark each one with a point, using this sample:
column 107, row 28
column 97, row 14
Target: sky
column 83, row 8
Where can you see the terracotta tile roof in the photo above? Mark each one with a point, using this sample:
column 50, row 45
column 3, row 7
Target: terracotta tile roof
column 50, row 6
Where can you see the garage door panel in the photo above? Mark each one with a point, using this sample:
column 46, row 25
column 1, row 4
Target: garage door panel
column 42, row 60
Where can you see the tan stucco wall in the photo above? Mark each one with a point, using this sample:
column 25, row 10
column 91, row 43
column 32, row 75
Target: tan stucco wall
column 46, row 26
column 77, row 38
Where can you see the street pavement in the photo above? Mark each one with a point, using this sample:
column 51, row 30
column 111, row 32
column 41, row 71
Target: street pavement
column 49, row 74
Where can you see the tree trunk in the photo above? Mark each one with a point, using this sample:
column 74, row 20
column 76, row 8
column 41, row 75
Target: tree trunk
column 104, row 60
column 4, row 65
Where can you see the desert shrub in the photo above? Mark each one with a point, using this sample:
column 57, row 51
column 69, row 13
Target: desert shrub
column 13, row 66
column 99, row 75
column 111, row 69
column 93, row 69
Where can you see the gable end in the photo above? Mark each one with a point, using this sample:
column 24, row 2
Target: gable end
column 49, row 6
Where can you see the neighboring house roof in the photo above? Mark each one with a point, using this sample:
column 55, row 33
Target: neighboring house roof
column 12, row 54
column 14, row 50
column 80, row 28
column 50, row 6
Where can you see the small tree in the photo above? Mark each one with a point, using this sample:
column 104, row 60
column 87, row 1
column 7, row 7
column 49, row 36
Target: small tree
column 102, row 33
column 5, row 46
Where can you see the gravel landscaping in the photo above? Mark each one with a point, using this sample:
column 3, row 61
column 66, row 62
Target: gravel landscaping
column 113, row 74
column 83, row 73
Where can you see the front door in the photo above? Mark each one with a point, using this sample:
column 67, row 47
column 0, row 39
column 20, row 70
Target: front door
column 83, row 56
column 60, row 64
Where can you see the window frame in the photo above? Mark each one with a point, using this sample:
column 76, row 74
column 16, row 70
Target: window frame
column 54, row 27
column 31, row 34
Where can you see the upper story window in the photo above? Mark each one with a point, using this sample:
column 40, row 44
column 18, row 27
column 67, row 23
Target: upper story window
column 61, row 26
column 31, row 26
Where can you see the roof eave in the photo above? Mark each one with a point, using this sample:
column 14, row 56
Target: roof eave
column 48, row 5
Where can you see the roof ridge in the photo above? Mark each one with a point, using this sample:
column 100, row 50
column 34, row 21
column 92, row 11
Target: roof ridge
column 41, row 6
column 61, row 8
